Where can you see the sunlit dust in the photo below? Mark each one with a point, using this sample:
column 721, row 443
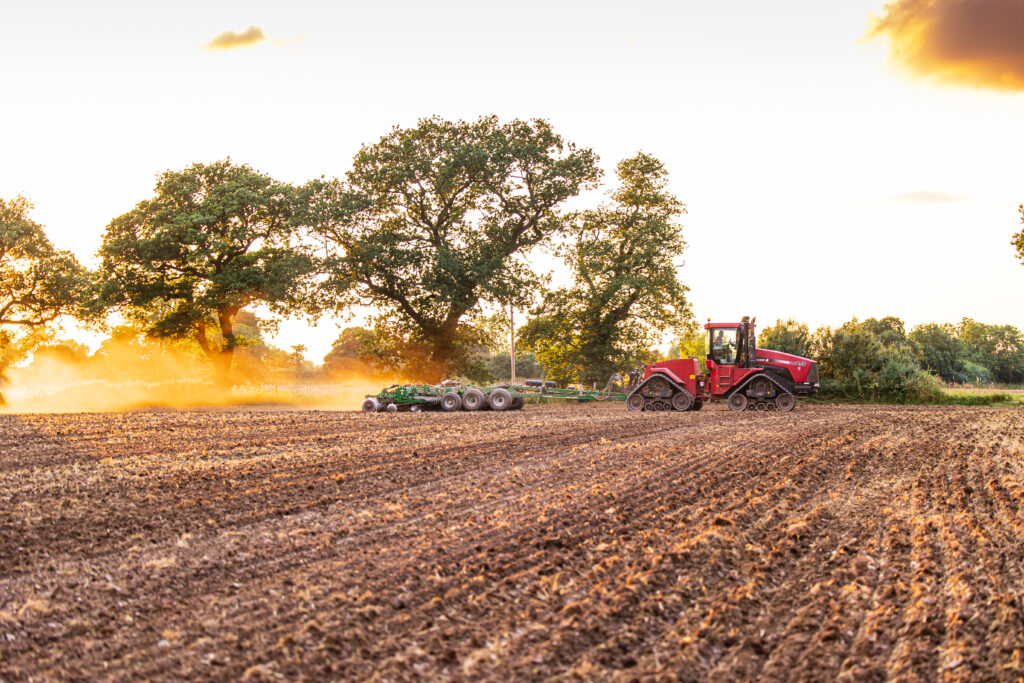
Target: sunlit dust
column 122, row 379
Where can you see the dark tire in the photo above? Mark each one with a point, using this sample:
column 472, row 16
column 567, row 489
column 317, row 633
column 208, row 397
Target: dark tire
column 500, row 399
column 785, row 402
column 518, row 402
column 473, row 399
column 371, row 405
column 737, row 402
column 451, row 402
column 698, row 404
column 635, row 402
column 759, row 387
column 683, row 400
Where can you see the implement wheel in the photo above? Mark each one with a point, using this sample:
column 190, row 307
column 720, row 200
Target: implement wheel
column 635, row 402
column 500, row 399
column 683, row 400
column 737, row 402
column 451, row 402
column 518, row 402
column 371, row 405
column 473, row 399
column 785, row 402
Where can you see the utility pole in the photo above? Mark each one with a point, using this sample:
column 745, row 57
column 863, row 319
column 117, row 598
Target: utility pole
column 512, row 326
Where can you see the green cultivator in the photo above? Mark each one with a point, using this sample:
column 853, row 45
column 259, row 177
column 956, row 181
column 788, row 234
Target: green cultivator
column 451, row 396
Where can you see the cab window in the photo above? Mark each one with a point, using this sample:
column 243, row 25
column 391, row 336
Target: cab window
column 722, row 344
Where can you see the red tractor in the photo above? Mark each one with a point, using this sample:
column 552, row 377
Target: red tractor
column 747, row 377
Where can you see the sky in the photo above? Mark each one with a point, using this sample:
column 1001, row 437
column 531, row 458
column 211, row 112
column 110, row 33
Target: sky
column 836, row 159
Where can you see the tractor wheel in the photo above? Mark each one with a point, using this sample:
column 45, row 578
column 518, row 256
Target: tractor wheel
column 698, row 404
column 451, row 402
column 392, row 408
column 759, row 387
column 473, row 399
column 371, row 405
column 737, row 402
column 683, row 400
column 635, row 402
column 785, row 402
column 517, row 403
column 416, row 408
column 500, row 399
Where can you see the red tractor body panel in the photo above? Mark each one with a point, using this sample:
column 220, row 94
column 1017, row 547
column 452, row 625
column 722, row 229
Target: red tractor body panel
column 683, row 371
column 722, row 378
column 797, row 366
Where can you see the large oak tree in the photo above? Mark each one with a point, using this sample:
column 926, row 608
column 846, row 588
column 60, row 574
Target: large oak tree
column 433, row 221
column 625, row 291
column 214, row 239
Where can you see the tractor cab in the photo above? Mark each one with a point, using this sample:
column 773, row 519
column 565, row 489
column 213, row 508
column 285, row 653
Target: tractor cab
column 731, row 343
column 728, row 351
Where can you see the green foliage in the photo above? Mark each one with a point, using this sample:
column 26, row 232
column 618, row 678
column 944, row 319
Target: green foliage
column 1000, row 348
column 625, row 290
column 788, row 336
column 851, row 355
column 975, row 373
column 38, row 282
column 939, row 351
column 214, row 239
column 872, row 360
column 500, row 366
column 889, row 331
column 433, row 221
column 690, row 343
column 987, row 398
column 901, row 380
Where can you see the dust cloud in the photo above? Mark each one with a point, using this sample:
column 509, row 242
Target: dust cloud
column 128, row 376
column 964, row 42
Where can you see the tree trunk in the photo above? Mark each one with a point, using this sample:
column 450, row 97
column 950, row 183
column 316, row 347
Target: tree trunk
column 220, row 357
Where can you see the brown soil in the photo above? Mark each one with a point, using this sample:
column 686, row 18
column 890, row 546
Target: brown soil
column 859, row 542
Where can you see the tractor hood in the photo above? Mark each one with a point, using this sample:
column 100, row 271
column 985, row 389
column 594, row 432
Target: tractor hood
column 803, row 370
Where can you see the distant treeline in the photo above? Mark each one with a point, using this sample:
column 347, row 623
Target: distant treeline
column 878, row 359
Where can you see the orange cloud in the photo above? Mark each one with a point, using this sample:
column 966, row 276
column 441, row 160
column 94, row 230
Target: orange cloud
column 229, row 39
column 967, row 42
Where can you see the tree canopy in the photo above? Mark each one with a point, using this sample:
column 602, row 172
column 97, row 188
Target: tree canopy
column 435, row 220
column 625, row 289
column 38, row 282
column 788, row 336
column 214, row 239
column 1000, row 348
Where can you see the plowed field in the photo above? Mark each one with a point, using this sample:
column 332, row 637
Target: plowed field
column 857, row 542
